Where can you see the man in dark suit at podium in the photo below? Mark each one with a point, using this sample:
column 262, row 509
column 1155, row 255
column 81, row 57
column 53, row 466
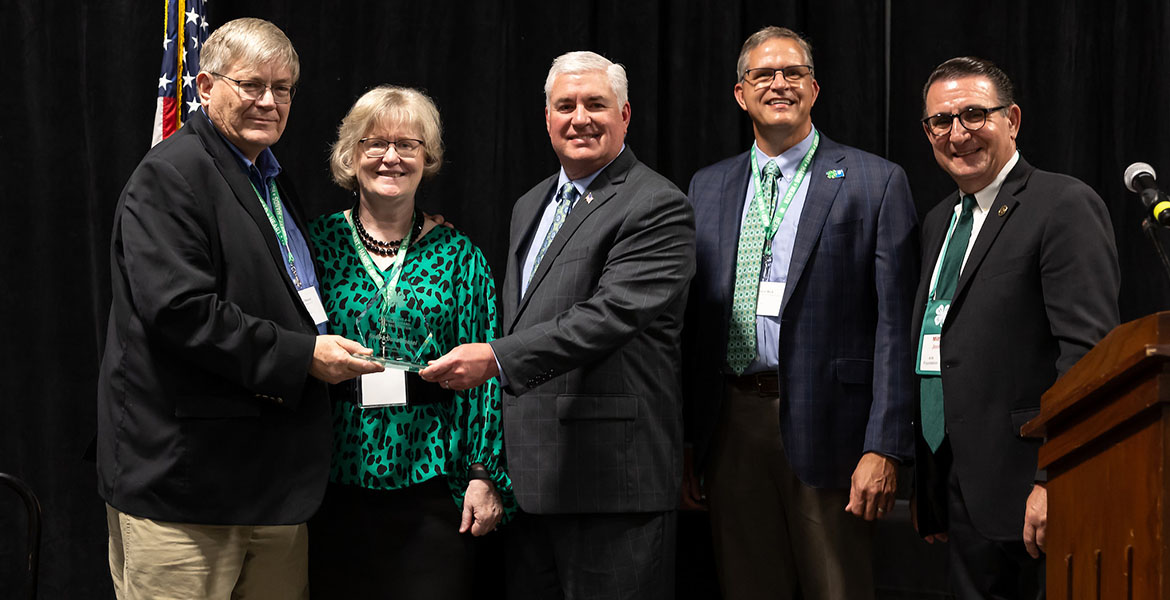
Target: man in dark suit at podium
column 1019, row 281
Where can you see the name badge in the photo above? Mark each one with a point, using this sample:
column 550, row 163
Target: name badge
column 312, row 302
column 769, row 299
column 387, row 388
column 929, row 355
column 930, row 343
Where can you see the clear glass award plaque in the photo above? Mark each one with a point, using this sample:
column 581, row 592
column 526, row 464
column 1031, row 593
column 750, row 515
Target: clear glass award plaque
column 398, row 334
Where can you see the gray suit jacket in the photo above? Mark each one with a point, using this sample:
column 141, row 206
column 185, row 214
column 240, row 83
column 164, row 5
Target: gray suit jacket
column 593, row 406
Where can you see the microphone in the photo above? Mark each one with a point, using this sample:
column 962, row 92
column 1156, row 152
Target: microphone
column 1140, row 179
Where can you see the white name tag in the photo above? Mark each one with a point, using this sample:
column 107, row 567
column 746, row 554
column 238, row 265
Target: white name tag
column 387, row 388
column 769, row 299
column 930, row 356
column 312, row 302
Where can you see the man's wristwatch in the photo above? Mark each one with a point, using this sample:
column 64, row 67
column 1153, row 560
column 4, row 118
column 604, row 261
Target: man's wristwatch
column 478, row 473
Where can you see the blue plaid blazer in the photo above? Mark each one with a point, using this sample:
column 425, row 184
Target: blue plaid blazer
column 846, row 372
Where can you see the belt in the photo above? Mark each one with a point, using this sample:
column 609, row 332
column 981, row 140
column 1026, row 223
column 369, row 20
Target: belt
column 764, row 384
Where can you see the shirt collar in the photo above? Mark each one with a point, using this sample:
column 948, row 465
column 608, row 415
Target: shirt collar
column 789, row 160
column 986, row 196
column 266, row 162
column 583, row 183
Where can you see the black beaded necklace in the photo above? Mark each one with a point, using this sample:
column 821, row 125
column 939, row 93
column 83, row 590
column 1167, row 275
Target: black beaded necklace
column 376, row 246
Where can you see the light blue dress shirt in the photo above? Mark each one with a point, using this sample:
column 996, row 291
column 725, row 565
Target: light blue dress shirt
column 768, row 328
column 546, row 219
column 259, row 173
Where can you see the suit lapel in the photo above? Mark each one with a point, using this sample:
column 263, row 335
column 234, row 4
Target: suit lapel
column 993, row 223
column 734, row 195
column 229, row 169
column 603, row 188
column 818, row 201
column 525, row 218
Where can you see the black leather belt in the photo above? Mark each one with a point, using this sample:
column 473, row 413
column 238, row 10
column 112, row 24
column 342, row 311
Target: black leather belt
column 764, row 384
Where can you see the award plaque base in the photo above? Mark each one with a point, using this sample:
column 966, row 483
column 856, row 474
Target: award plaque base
column 392, row 363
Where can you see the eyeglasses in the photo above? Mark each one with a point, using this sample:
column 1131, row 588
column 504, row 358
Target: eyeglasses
column 764, row 76
column 282, row 93
column 973, row 118
column 378, row 147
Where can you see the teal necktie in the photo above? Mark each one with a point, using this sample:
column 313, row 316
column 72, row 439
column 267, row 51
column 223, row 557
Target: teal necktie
column 931, row 397
column 741, row 338
column 565, row 199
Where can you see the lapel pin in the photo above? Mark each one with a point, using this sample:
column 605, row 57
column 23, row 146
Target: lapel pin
column 589, row 198
column 835, row 173
column 1002, row 210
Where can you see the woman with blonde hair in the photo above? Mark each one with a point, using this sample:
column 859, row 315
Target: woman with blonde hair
column 414, row 470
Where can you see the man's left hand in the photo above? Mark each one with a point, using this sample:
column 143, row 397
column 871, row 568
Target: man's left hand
column 463, row 368
column 871, row 494
column 1036, row 519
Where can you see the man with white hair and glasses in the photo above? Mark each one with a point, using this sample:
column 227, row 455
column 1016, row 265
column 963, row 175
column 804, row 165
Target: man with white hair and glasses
column 213, row 421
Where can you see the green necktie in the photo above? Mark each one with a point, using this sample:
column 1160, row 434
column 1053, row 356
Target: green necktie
column 565, row 199
column 931, row 398
column 741, row 339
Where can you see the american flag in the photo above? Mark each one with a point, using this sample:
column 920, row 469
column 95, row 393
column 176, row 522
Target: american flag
column 184, row 31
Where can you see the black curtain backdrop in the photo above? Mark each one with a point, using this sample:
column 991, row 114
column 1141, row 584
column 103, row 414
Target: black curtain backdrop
column 80, row 78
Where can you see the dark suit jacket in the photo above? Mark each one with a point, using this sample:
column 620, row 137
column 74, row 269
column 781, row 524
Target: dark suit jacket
column 592, row 407
column 845, row 370
column 206, row 413
column 1039, row 289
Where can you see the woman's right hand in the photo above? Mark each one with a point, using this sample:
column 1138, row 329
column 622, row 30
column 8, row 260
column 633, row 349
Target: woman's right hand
column 482, row 507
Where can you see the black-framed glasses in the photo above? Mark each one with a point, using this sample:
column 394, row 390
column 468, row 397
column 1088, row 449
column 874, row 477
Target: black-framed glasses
column 378, row 147
column 282, row 93
column 764, row 76
column 973, row 118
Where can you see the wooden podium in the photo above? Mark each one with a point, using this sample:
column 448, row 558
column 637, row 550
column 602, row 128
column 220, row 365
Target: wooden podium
column 1107, row 429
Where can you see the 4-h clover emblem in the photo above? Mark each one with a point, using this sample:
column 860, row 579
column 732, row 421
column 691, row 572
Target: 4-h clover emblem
column 940, row 314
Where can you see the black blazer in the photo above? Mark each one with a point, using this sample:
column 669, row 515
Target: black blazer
column 1039, row 289
column 592, row 408
column 206, row 413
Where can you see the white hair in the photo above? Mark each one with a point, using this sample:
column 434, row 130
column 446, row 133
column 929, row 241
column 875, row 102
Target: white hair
column 572, row 63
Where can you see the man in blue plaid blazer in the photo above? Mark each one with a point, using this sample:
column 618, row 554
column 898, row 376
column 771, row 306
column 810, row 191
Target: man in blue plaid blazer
column 599, row 260
column 796, row 441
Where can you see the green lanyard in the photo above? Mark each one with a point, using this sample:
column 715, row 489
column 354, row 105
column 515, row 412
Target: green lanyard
column 938, row 261
column 277, row 221
column 772, row 221
column 372, row 270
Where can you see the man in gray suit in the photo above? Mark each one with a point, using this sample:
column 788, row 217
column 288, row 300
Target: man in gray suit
column 600, row 257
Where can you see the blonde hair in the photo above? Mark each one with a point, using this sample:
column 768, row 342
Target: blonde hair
column 386, row 105
column 251, row 42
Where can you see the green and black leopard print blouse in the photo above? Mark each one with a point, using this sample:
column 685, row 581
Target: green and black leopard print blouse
column 448, row 281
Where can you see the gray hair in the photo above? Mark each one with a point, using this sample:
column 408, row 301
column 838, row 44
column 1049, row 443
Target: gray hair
column 386, row 105
column 572, row 63
column 251, row 42
column 772, row 32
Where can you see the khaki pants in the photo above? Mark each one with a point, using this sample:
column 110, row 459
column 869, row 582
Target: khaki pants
column 772, row 533
column 152, row 560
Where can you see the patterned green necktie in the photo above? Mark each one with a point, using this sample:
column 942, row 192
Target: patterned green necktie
column 931, row 397
column 741, row 339
column 565, row 199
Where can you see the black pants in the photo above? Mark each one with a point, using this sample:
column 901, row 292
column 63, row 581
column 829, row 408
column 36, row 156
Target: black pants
column 594, row 556
column 983, row 569
column 403, row 543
